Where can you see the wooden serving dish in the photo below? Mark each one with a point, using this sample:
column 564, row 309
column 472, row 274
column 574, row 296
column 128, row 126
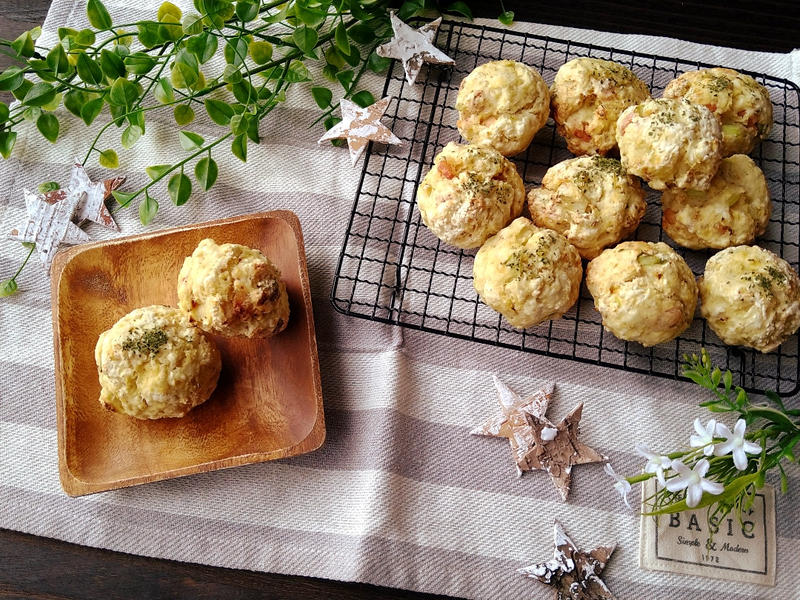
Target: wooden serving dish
column 267, row 405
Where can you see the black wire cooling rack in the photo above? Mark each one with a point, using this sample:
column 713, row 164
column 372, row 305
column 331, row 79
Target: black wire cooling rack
column 392, row 269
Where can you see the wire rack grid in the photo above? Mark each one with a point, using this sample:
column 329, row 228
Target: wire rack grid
column 392, row 269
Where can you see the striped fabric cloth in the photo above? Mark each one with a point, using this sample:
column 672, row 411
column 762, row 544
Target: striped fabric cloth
column 400, row 494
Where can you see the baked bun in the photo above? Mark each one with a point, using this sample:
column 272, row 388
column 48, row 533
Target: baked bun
column 527, row 273
column 670, row 143
column 470, row 194
column 153, row 363
column 739, row 101
column 502, row 104
column 590, row 200
column 587, row 97
column 644, row 291
column 233, row 290
column 733, row 211
column 750, row 297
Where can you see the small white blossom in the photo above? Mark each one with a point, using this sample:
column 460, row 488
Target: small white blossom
column 621, row 484
column 704, row 437
column 692, row 480
column 655, row 462
column 735, row 444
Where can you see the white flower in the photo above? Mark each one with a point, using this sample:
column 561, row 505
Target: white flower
column 704, row 437
column 692, row 481
column 655, row 462
column 621, row 484
column 736, row 444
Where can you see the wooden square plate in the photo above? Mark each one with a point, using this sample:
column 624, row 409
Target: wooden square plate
column 267, row 405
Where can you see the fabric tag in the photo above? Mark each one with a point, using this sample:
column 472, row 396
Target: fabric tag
column 684, row 543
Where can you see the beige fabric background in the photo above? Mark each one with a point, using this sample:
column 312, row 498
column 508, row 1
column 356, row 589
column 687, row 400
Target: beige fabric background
column 400, row 494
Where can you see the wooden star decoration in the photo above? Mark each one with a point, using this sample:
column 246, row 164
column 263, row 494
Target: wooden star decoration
column 557, row 449
column 512, row 423
column 93, row 208
column 359, row 126
column 49, row 225
column 413, row 47
column 574, row 573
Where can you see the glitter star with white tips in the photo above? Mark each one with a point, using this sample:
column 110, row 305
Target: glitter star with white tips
column 413, row 47
column 359, row 126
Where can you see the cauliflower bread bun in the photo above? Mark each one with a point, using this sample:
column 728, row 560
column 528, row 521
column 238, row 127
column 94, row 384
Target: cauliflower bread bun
column 670, row 143
column 739, row 101
column 733, row 211
column 527, row 273
column 587, row 97
column 590, row 200
column 233, row 290
column 470, row 194
column 153, row 363
column 750, row 297
column 644, row 291
column 502, row 104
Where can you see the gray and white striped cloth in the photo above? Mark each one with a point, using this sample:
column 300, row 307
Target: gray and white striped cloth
column 400, row 494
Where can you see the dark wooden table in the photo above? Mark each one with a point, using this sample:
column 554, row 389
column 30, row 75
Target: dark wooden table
column 33, row 567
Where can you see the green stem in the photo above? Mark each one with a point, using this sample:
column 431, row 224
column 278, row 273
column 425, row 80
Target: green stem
column 25, row 262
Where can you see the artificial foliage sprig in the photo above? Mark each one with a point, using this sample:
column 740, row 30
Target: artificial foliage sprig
column 721, row 469
column 124, row 72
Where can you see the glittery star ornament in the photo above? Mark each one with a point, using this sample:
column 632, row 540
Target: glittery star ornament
column 359, row 126
column 574, row 573
column 512, row 423
column 557, row 449
column 413, row 47
column 49, row 224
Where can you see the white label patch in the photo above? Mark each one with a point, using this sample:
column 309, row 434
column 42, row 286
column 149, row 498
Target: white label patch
column 685, row 543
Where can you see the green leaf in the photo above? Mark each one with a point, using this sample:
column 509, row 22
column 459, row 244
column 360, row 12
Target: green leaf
column 123, row 92
column 183, row 114
column 410, row 8
column 91, row 109
column 252, row 130
column 23, row 45
column 7, row 139
column 202, row 46
column 112, row 64
column 306, row 39
column 206, row 172
column 244, row 92
column 54, row 103
column 346, row 79
column 363, row 98
column 148, row 34
column 334, row 58
column 460, row 8
column 329, row 71
column 88, row 70
column 246, row 10
column 139, row 63
column 7, row 288
column 309, row 16
column 11, row 79
column 74, row 101
column 169, row 13
column 361, row 33
column 57, row 60
column 506, row 18
column 183, row 75
column 340, row 39
column 239, row 147
column 40, row 94
column 98, row 14
column 32, row 113
column 137, row 118
column 179, row 188
column 322, row 96
column 131, row 135
column 3, row 112
column 48, row 186
column 163, row 91
column 147, row 209
column 235, row 51
column 157, row 171
column 354, row 58
column 109, row 159
column 297, row 72
column 231, row 74
column 239, row 124
column 47, row 124
column 124, row 198
column 260, row 51
column 190, row 140
column 64, row 32
column 378, row 64
column 220, row 112
column 22, row 89
column 42, row 69
column 85, row 38
column 192, row 24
